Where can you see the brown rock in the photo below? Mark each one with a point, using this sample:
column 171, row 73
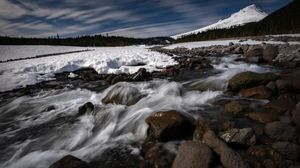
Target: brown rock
column 169, row 125
column 259, row 92
column 263, row 117
column 234, row 107
column 228, row 157
column 246, row 80
column 254, row 54
column 260, row 151
column 280, row 131
column 192, row 154
column 269, row 53
column 296, row 115
column 289, row 150
column 244, row 136
column 158, row 156
column 201, row 127
column 283, row 104
column 70, row 161
column 283, row 86
column 122, row 93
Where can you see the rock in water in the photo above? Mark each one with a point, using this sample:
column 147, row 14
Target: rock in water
column 246, row 80
column 70, row 161
column 263, row 117
column 228, row 157
column 244, row 136
column 254, row 54
column 270, row 52
column 234, row 107
column 86, row 108
column 169, row 125
column 122, row 93
column 259, row 92
column 193, row 154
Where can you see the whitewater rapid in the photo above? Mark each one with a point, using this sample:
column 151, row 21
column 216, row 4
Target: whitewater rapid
column 34, row 137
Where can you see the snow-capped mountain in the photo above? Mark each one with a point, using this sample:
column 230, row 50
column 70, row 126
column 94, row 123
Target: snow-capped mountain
column 246, row 15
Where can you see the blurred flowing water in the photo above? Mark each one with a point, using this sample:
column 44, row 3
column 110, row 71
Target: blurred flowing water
column 34, row 137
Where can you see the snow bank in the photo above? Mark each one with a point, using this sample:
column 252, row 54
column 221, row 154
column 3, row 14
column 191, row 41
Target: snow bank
column 102, row 59
column 197, row 44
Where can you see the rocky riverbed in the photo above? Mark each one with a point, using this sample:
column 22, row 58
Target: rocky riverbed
column 229, row 106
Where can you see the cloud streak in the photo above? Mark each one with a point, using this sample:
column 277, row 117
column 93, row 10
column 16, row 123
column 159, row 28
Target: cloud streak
column 131, row 18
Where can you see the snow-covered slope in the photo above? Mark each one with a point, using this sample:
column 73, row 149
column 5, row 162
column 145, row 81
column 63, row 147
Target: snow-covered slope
column 246, row 15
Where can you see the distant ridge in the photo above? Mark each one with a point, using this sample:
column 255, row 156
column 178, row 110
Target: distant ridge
column 246, row 15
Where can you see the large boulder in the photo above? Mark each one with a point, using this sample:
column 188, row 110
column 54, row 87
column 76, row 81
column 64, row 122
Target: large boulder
column 296, row 115
column 263, row 117
column 70, row 161
column 193, row 154
column 246, row 80
column 244, row 136
column 169, row 125
column 280, row 131
column 228, row 157
column 122, row 93
column 289, row 150
column 259, row 92
column 269, row 53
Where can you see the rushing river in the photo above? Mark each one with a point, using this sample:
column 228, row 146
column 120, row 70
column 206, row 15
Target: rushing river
column 34, row 137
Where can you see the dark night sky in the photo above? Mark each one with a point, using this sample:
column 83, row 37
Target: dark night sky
column 133, row 18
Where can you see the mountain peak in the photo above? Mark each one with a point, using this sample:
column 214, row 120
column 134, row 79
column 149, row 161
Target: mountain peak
column 248, row 14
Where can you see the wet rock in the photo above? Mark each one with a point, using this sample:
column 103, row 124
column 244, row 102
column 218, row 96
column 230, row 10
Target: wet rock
column 86, row 108
column 259, row 92
column 269, row 53
column 272, row 86
column 296, row 115
column 161, row 155
column 244, row 136
column 118, row 157
column 283, row 86
column 87, row 74
column 263, row 117
column 228, row 157
column 70, row 161
column 122, row 93
column 169, row 125
column 202, row 126
column 289, row 150
column 254, row 54
column 141, row 75
column 280, row 131
column 260, row 151
column 238, row 50
column 284, row 103
column 234, row 107
column 49, row 108
column 117, row 79
column 246, row 80
column 193, row 154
